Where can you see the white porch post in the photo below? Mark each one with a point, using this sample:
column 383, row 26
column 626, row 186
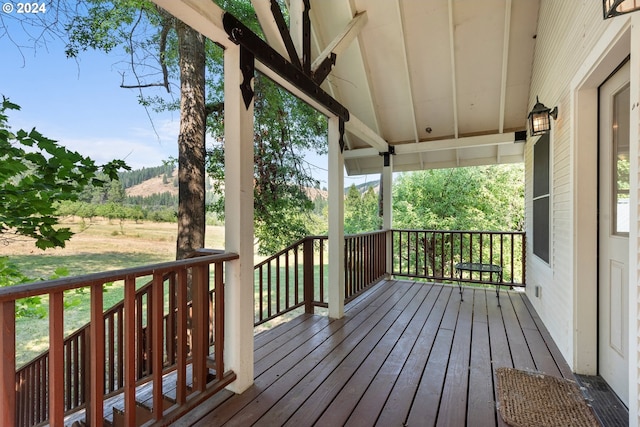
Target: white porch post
column 387, row 209
column 336, row 222
column 239, row 305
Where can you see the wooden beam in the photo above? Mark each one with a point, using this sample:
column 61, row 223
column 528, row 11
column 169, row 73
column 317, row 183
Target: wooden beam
column 269, row 26
column 407, row 76
column 366, row 134
column 296, row 10
column 297, row 78
column 203, row 16
column 441, row 144
column 452, row 59
column 275, row 29
column 505, row 62
column 339, row 44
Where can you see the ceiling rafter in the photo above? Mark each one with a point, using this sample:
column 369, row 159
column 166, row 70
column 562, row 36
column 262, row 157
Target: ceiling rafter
column 452, row 56
column 316, row 40
column 354, row 126
column 269, row 25
column 296, row 11
column 338, row 45
column 505, row 63
column 407, row 74
column 275, row 29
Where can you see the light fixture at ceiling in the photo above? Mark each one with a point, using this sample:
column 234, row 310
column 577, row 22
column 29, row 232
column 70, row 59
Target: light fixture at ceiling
column 611, row 8
column 540, row 118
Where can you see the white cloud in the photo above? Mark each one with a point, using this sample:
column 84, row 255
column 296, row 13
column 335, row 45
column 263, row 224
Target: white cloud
column 164, row 131
column 136, row 153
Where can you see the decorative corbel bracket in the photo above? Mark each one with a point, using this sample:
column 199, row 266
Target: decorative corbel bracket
column 247, row 68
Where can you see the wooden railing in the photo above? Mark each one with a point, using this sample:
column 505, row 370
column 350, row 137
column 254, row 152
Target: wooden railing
column 365, row 261
column 432, row 254
column 127, row 345
column 155, row 330
column 290, row 279
column 296, row 276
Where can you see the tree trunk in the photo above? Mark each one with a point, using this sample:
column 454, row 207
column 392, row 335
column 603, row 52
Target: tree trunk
column 191, row 142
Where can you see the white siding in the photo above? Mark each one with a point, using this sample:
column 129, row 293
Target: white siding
column 567, row 31
column 569, row 47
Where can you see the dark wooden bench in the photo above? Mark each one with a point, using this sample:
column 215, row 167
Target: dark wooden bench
column 481, row 268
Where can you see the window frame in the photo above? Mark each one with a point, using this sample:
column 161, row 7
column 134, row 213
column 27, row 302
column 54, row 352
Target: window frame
column 541, row 200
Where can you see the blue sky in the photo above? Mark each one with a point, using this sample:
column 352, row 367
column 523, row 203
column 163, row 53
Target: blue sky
column 79, row 103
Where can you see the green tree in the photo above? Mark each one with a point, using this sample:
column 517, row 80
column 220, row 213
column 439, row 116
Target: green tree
column 361, row 211
column 472, row 198
column 284, row 125
column 153, row 38
column 36, row 173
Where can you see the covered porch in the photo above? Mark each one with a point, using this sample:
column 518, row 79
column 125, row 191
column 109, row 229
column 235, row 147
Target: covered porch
column 405, row 353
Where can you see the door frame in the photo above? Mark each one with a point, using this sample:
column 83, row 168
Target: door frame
column 606, row 245
column 611, row 50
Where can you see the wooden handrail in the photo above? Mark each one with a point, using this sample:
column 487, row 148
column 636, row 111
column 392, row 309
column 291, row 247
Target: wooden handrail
column 65, row 365
column 26, row 290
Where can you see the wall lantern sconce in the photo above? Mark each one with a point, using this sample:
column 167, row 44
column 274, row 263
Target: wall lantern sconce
column 540, row 118
column 613, row 8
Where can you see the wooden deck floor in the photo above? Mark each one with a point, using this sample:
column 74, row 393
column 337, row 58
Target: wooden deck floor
column 405, row 354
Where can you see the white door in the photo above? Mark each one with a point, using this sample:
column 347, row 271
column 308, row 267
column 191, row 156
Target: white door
column 613, row 229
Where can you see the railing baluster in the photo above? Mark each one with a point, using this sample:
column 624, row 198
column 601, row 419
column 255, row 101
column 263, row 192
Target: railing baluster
column 321, row 268
column 278, row 284
column 171, row 321
column 286, row 280
column 181, row 342
column 97, row 356
column 200, row 293
column 261, row 296
column 269, row 289
column 219, row 318
column 156, row 337
column 129, row 310
column 110, row 338
column 56, row 359
column 8, row 366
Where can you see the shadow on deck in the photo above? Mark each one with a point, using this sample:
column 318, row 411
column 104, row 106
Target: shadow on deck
column 405, row 353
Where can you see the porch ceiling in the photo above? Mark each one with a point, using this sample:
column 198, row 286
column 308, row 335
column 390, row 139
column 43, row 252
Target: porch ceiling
column 444, row 81
column 459, row 67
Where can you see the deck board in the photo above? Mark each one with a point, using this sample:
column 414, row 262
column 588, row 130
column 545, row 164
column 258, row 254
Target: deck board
column 480, row 405
column 405, row 353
